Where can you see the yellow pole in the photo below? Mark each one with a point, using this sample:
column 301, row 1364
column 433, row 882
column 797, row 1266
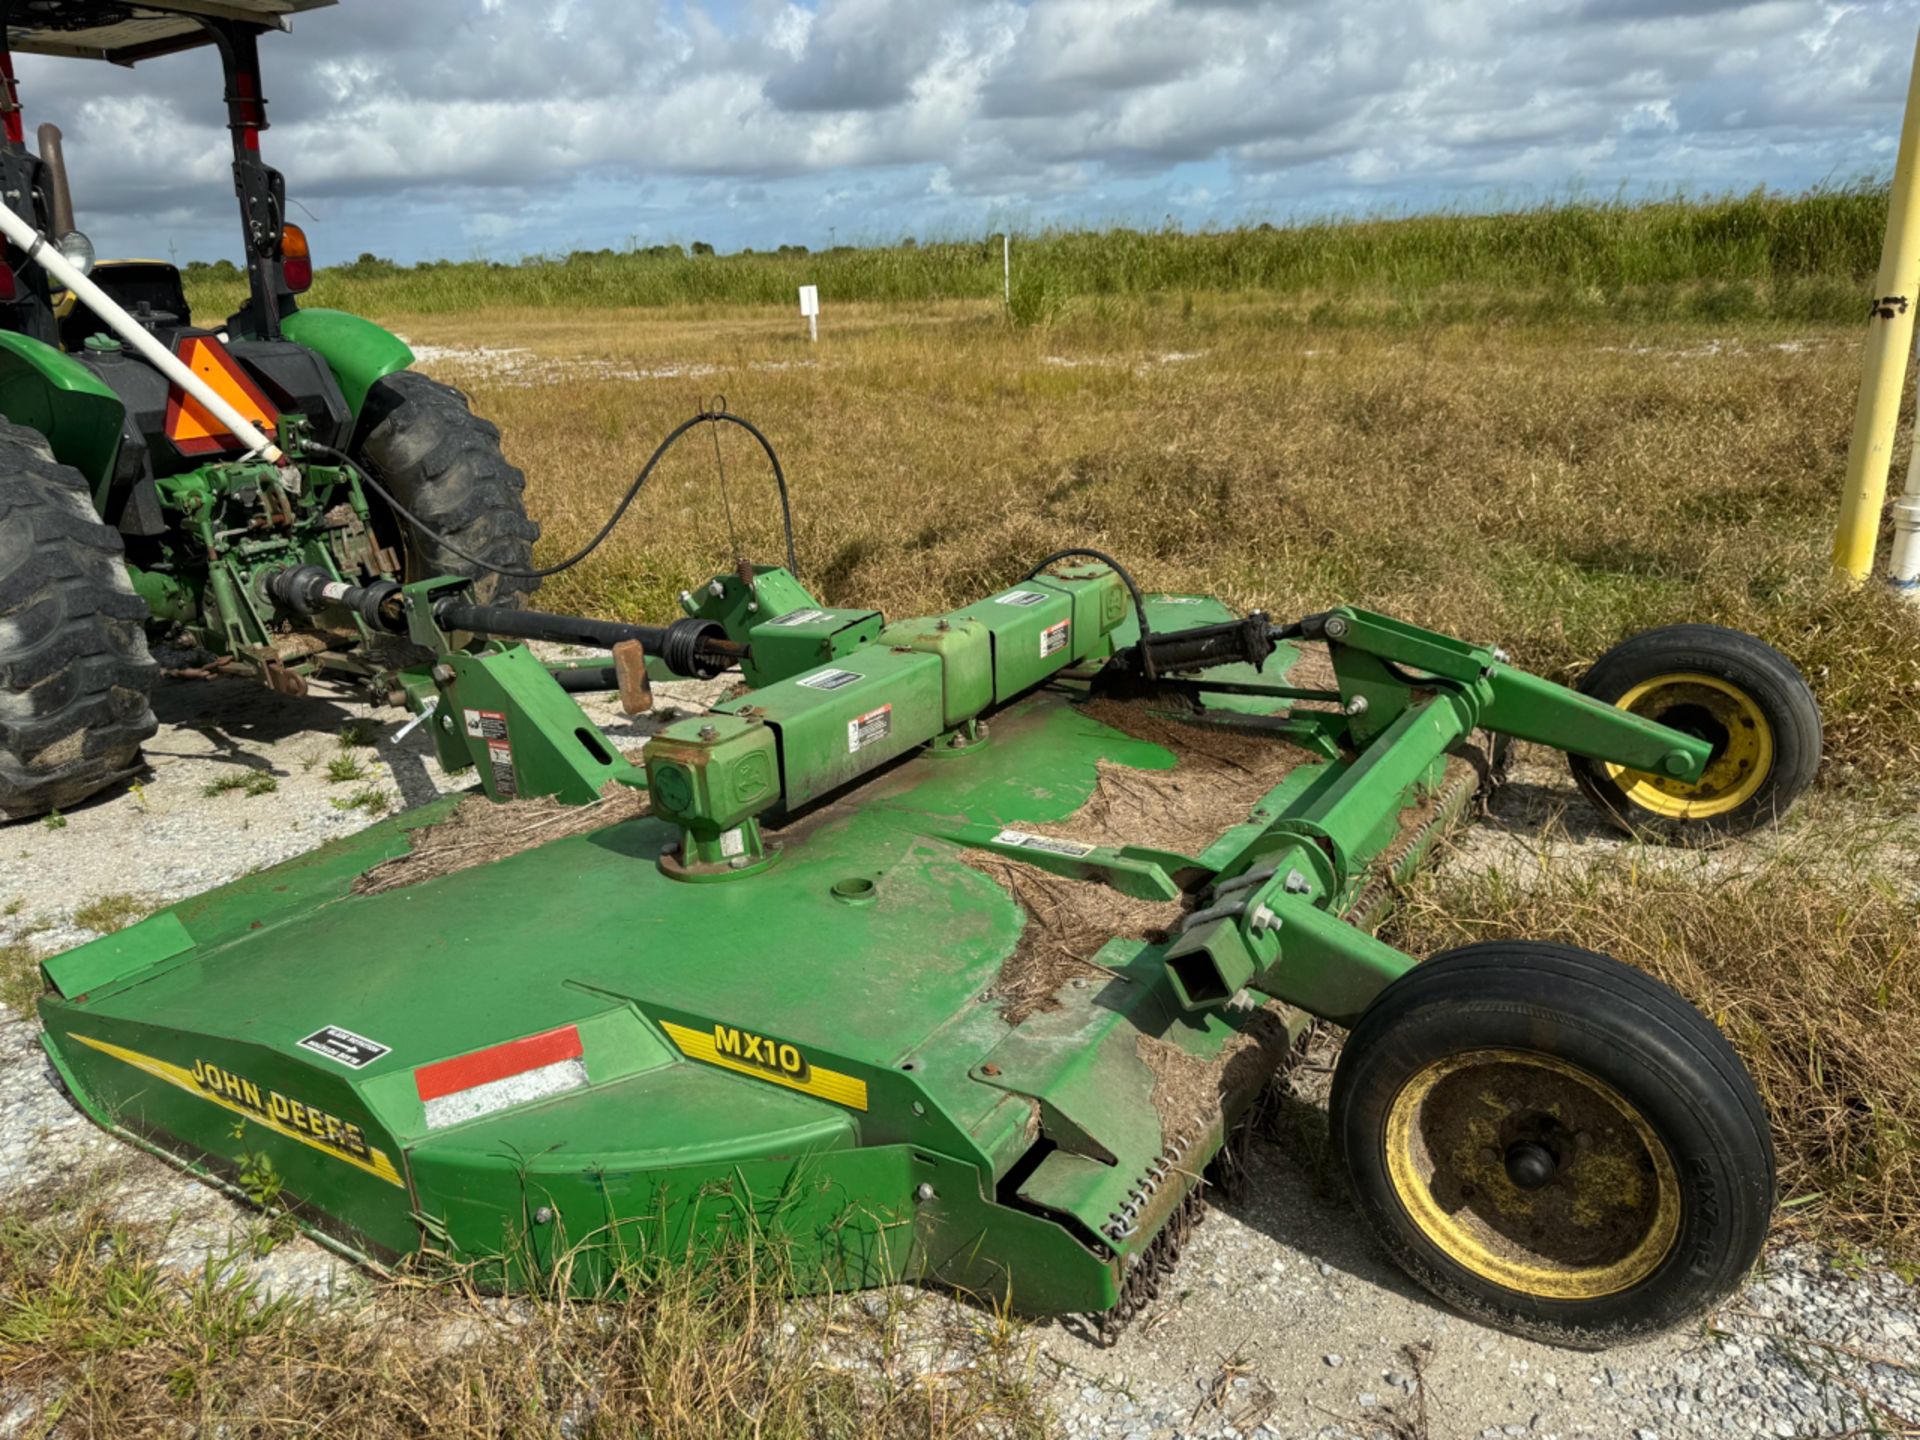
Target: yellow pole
column 1889, row 339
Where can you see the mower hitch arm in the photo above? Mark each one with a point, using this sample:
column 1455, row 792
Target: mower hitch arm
column 1375, row 653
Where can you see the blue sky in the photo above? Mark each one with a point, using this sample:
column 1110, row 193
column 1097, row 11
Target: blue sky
column 425, row 128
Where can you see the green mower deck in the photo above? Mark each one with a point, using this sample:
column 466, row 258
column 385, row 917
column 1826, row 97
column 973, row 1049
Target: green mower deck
column 973, row 1007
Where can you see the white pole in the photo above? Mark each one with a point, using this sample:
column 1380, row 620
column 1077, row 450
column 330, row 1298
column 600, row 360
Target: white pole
column 1006, row 266
column 41, row 251
column 1903, row 564
column 813, row 328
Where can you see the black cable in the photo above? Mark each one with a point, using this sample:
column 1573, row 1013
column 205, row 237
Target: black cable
column 1139, row 600
column 714, row 416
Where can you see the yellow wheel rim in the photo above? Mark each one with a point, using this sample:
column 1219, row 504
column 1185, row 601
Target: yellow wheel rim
column 1710, row 707
column 1465, row 1140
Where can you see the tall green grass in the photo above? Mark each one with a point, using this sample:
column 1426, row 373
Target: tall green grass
column 1759, row 255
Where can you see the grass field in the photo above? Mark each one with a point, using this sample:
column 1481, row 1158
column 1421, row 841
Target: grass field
column 1786, row 257
column 1548, row 489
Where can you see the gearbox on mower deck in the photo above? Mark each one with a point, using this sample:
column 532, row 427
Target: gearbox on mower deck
column 824, row 990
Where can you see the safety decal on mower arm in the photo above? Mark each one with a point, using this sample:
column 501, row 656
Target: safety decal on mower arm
column 310, row 1125
column 732, row 1048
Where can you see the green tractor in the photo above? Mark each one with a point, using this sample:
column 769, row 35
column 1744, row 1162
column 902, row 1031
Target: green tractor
column 136, row 497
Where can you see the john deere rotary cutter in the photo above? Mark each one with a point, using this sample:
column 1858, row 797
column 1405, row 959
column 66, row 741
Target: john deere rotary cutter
column 957, row 949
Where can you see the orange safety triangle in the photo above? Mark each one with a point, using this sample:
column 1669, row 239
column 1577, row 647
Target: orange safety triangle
column 191, row 427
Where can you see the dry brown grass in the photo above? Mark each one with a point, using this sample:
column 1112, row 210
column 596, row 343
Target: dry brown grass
column 1550, row 489
column 1805, row 952
column 99, row 1338
column 1547, row 489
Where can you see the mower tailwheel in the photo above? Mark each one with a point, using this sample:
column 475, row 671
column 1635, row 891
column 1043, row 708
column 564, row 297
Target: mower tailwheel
column 1554, row 1142
column 1725, row 687
column 444, row 463
column 75, row 674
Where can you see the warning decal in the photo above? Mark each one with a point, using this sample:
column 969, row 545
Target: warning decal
column 1020, row 597
column 1043, row 842
column 868, row 729
column 356, row 1052
column 829, row 679
column 1053, row 639
column 799, row 617
column 491, row 726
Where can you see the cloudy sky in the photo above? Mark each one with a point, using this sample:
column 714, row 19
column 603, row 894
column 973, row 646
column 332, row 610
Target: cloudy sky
column 422, row 128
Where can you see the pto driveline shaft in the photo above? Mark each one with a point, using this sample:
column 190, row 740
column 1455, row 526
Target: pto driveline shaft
column 696, row 648
column 687, row 647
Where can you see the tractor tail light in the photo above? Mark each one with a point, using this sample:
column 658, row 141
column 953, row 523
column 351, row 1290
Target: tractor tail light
column 296, row 263
column 8, row 289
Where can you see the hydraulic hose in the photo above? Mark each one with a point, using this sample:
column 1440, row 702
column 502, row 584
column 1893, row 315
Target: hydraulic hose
column 1139, row 600
column 340, row 457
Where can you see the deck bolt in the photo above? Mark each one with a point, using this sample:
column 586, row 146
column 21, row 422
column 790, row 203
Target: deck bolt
column 989, row 1069
column 716, row 589
column 1336, row 626
column 709, row 732
column 543, row 1216
column 944, row 626
column 1264, row 919
column 1356, row 706
column 443, row 674
column 1501, row 655
column 1296, row 883
column 923, row 1192
column 739, row 862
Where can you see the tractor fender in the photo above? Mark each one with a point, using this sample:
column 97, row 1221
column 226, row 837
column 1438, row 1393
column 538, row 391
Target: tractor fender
column 56, row 395
column 358, row 351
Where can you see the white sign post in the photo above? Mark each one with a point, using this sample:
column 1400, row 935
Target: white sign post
column 1006, row 265
column 810, row 307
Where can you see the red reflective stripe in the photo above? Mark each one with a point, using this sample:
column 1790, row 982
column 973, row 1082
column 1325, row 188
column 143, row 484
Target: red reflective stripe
column 516, row 1057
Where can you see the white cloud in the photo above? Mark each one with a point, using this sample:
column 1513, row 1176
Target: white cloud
column 421, row 118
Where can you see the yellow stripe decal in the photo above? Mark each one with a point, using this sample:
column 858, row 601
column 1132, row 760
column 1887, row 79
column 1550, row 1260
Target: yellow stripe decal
column 774, row 1061
column 275, row 1111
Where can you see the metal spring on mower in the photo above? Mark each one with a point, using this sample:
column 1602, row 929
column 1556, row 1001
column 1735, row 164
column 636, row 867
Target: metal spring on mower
column 1124, row 1222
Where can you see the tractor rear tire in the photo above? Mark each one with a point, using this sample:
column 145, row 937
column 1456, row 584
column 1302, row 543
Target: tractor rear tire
column 75, row 675
column 444, row 463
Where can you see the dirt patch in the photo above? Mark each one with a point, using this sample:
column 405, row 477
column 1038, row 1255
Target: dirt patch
column 481, row 831
column 1313, row 669
column 1067, row 923
column 1191, row 1095
column 1218, row 776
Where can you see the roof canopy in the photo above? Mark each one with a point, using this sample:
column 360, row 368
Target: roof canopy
column 125, row 33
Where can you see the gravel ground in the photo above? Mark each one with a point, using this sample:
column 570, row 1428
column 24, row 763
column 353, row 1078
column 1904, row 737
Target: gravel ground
column 1281, row 1320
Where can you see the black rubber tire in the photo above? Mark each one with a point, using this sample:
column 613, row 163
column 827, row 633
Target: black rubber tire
column 1750, row 665
column 75, row 675
column 444, row 463
column 1616, row 1024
